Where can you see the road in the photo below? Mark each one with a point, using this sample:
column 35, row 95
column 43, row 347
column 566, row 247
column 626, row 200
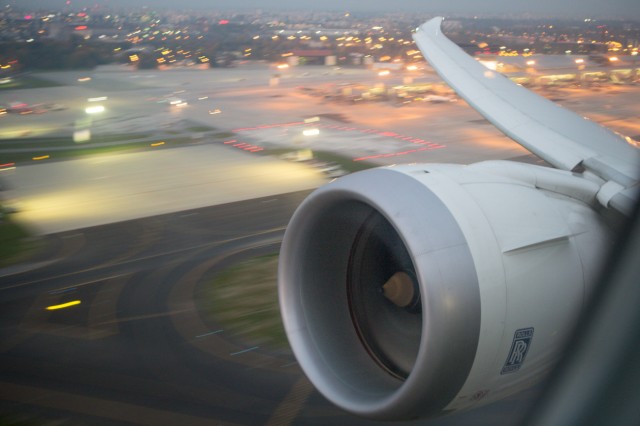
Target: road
column 137, row 349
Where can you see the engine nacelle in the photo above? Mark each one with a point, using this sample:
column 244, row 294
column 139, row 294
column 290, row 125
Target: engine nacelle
column 415, row 291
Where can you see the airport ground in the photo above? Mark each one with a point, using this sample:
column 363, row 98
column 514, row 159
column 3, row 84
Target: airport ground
column 135, row 236
column 233, row 116
column 136, row 347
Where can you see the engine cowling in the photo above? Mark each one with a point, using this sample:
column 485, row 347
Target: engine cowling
column 420, row 290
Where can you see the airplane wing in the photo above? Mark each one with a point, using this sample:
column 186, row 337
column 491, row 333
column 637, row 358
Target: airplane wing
column 416, row 290
column 555, row 134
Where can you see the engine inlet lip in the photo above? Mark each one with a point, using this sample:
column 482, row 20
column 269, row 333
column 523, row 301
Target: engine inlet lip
column 431, row 236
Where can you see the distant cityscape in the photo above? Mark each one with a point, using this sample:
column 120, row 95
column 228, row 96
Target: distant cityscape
column 86, row 38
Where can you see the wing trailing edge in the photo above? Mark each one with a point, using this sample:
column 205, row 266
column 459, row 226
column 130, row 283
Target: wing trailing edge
column 555, row 134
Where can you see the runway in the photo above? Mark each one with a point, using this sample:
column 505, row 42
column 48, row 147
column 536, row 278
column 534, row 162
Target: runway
column 65, row 195
column 136, row 348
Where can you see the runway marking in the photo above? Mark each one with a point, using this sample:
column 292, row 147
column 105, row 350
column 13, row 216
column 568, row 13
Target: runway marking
column 101, row 408
column 76, row 235
column 75, row 286
column 209, row 334
column 244, row 351
column 144, row 317
column 289, row 408
column 64, row 290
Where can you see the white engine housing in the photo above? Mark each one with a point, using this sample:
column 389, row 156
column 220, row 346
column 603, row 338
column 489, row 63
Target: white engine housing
column 503, row 268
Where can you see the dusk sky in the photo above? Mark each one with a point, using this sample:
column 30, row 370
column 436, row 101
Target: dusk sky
column 544, row 8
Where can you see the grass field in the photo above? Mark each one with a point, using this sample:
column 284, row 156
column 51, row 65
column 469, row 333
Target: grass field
column 14, row 242
column 244, row 299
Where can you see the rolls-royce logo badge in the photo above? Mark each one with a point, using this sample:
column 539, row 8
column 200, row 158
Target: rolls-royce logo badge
column 519, row 348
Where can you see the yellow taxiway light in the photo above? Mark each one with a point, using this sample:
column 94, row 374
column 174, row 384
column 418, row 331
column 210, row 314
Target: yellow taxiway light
column 42, row 157
column 63, row 305
column 157, row 144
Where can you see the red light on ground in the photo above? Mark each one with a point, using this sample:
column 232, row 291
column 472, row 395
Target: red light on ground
column 80, row 27
column 223, row 22
column 7, row 167
column 81, row 14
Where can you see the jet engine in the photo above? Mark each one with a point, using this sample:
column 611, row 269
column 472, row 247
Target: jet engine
column 415, row 291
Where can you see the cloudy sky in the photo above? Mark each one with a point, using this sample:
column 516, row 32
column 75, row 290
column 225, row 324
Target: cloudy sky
column 575, row 8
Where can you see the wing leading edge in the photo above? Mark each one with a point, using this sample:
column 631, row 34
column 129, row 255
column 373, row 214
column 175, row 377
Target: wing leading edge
column 555, row 134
